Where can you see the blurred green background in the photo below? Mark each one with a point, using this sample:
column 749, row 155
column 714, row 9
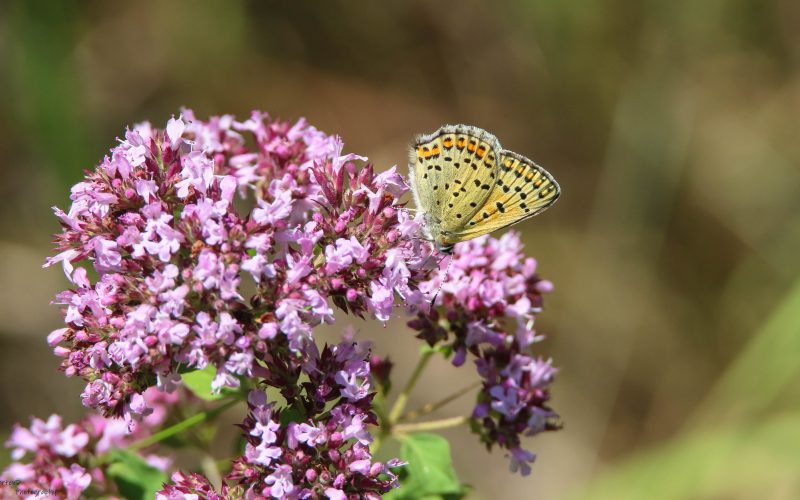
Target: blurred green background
column 672, row 127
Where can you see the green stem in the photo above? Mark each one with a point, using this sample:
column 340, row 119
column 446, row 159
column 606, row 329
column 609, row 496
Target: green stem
column 375, row 446
column 432, row 425
column 402, row 399
column 432, row 407
column 181, row 426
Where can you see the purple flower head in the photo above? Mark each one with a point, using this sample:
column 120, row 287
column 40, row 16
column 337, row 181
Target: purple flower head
column 75, row 479
column 190, row 487
column 487, row 308
column 280, row 482
column 302, row 456
column 521, row 460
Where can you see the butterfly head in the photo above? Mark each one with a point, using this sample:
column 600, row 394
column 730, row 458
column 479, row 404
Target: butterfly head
column 435, row 233
column 446, row 249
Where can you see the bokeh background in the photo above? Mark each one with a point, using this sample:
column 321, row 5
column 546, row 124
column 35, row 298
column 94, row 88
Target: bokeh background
column 672, row 127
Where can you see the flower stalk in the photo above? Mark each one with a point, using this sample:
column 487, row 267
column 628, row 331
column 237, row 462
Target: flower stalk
column 402, row 398
column 182, row 426
column 432, row 425
column 432, row 407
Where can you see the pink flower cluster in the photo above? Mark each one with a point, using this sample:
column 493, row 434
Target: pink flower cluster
column 156, row 220
column 488, row 303
column 63, row 460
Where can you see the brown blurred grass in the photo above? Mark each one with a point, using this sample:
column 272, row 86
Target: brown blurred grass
column 672, row 128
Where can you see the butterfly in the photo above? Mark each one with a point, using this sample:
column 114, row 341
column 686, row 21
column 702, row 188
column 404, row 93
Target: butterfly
column 466, row 185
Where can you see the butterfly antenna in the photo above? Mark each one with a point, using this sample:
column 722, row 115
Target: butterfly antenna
column 442, row 279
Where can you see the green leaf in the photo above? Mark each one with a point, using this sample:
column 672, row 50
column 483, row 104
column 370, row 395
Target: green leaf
column 429, row 473
column 293, row 413
column 182, row 368
column 199, row 382
column 134, row 477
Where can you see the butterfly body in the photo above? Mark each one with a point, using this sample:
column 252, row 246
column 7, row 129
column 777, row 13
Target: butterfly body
column 467, row 185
